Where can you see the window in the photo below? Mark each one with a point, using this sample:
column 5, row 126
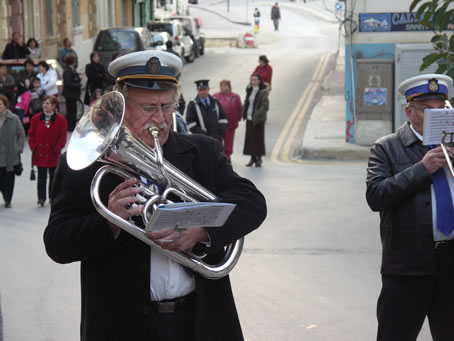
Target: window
column 114, row 40
column 50, row 18
column 76, row 13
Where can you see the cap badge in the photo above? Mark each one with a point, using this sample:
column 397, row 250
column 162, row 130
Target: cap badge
column 433, row 85
column 153, row 65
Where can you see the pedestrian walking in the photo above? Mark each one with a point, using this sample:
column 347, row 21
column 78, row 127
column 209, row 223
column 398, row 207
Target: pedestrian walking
column 255, row 109
column 131, row 291
column 265, row 70
column 15, row 49
column 47, row 137
column 12, row 140
column 233, row 108
column 48, row 79
column 204, row 114
column 66, row 50
column 71, row 90
column 34, row 49
column 276, row 16
column 96, row 76
column 411, row 186
column 256, row 20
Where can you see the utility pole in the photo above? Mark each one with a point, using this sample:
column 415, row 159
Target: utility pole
column 228, row 6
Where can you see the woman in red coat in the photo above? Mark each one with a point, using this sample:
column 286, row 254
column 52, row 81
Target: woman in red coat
column 47, row 137
column 264, row 70
column 233, row 108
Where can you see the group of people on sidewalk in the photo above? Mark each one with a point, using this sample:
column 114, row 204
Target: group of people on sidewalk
column 218, row 115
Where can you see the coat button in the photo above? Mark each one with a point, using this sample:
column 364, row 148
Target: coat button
column 146, row 310
column 427, row 203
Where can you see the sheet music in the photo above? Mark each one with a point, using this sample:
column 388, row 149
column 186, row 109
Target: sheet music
column 190, row 215
column 436, row 123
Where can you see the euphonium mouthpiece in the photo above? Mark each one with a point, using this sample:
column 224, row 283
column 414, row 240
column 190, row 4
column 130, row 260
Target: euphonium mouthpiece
column 154, row 131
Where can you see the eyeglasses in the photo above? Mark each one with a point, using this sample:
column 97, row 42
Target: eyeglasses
column 151, row 110
column 421, row 109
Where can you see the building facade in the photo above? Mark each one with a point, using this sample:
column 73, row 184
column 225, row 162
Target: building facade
column 384, row 45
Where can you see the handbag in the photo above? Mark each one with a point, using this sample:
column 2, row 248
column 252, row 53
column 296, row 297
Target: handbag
column 18, row 169
column 32, row 171
column 32, row 174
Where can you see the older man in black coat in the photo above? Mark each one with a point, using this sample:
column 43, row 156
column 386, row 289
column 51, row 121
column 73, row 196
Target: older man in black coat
column 129, row 290
column 403, row 184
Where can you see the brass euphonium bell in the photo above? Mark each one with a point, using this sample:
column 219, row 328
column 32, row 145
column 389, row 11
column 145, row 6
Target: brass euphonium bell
column 101, row 136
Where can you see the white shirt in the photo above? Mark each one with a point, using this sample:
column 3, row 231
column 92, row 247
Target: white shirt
column 168, row 279
column 49, row 82
column 438, row 235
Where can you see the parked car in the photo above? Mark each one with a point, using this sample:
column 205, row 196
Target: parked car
column 121, row 40
column 194, row 2
column 179, row 39
column 192, row 28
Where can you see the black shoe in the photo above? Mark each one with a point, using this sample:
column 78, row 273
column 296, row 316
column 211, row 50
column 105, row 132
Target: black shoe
column 41, row 202
column 251, row 162
column 7, row 205
column 258, row 164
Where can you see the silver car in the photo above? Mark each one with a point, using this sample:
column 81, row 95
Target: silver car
column 179, row 39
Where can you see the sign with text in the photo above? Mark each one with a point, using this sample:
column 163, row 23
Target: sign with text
column 392, row 22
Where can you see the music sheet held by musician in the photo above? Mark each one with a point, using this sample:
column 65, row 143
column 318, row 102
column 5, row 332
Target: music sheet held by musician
column 437, row 123
column 190, row 215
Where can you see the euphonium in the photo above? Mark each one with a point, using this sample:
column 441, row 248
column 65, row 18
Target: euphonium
column 101, row 136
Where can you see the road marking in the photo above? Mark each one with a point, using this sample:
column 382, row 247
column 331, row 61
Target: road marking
column 283, row 145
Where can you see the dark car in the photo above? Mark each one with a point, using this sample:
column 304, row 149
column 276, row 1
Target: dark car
column 192, row 28
column 121, row 40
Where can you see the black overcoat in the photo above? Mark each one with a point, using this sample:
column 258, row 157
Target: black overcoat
column 115, row 272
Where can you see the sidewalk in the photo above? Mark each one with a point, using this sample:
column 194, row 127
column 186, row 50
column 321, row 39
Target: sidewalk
column 324, row 137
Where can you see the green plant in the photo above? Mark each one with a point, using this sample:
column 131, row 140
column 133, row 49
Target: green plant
column 437, row 16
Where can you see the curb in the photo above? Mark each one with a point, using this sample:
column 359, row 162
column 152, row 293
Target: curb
column 332, row 154
column 221, row 41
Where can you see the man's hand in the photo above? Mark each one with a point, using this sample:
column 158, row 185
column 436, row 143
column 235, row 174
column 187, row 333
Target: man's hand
column 435, row 159
column 170, row 239
column 121, row 200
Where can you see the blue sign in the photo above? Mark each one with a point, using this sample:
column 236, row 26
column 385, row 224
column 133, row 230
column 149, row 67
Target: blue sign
column 390, row 22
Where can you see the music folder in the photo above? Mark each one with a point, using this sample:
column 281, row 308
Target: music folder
column 190, row 215
column 438, row 126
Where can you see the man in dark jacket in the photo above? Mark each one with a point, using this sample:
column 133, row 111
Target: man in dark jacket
column 16, row 49
column 205, row 114
column 276, row 16
column 409, row 184
column 129, row 290
column 71, row 90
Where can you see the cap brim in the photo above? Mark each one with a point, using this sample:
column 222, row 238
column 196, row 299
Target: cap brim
column 430, row 96
column 149, row 84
